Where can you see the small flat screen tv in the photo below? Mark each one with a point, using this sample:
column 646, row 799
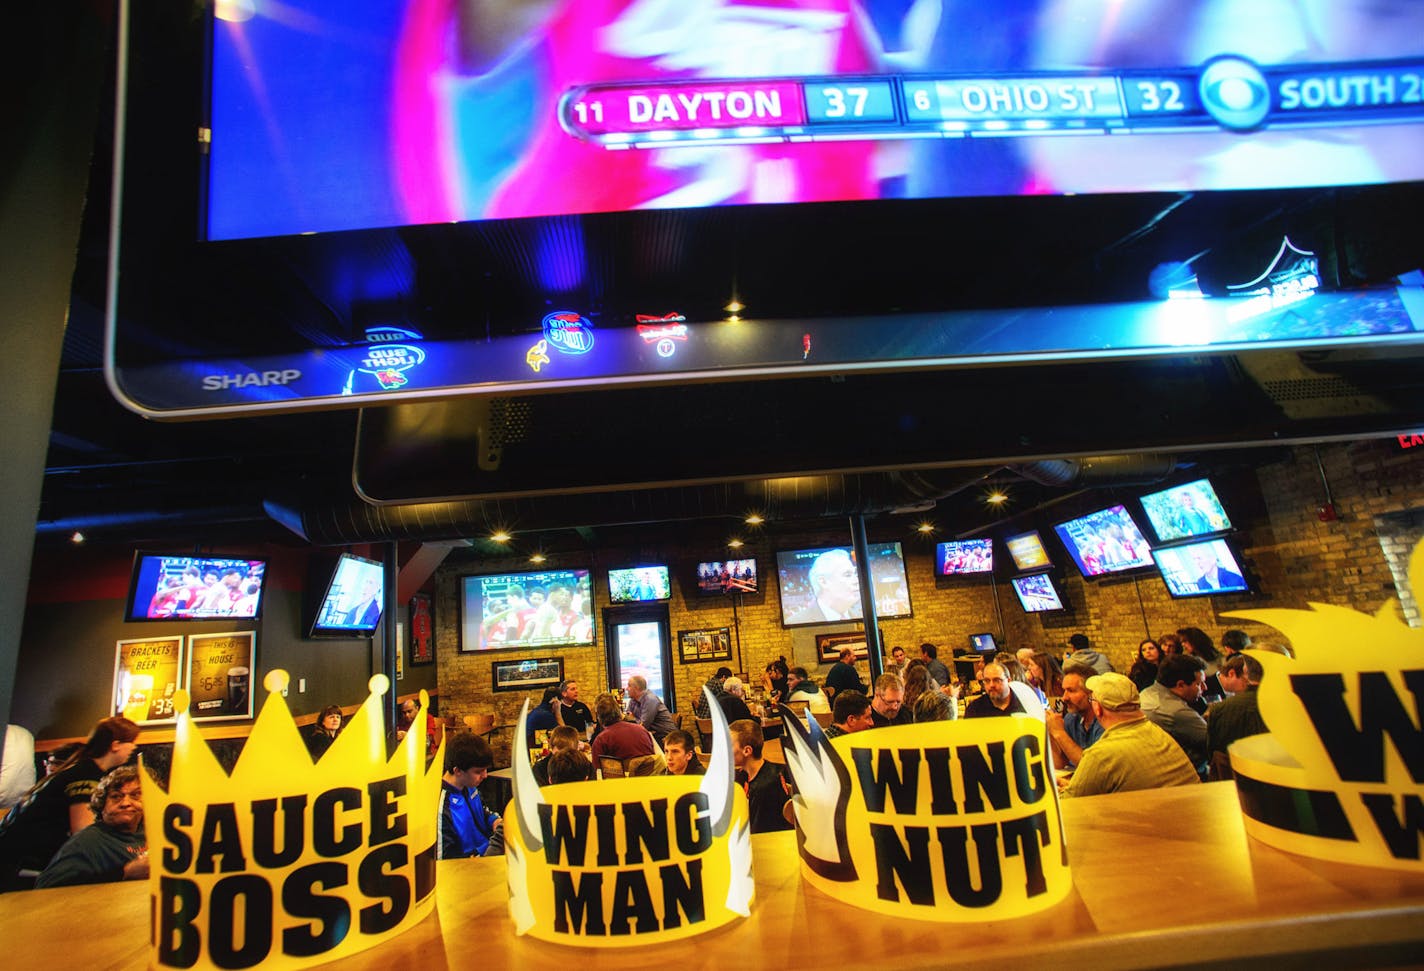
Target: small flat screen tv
column 820, row 586
column 1027, row 552
column 984, row 644
column 639, row 584
column 165, row 587
column 1200, row 569
column 353, row 599
column 548, row 608
column 1185, row 511
column 965, row 556
column 729, row 576
column 1106, row 541
column 1037, row 593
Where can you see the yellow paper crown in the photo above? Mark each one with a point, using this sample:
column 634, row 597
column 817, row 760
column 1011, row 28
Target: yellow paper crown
column 951, row 821
column 1340, row 775
column 284, row 863
column 631, row 861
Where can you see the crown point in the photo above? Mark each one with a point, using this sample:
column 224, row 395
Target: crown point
column 181, row 698
column 379, row 684
column 424, row 699
column 277, row 680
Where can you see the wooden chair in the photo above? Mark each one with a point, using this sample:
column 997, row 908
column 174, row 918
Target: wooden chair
column 823, row 718
column 609, row 767
column 704, row 733
column 480, row 724
column 799, row 707
column 771, row 751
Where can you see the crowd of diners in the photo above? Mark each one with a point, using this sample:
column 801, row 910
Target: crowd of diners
column 1167, row 721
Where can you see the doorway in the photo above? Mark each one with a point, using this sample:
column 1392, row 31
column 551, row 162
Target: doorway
column 638, row 642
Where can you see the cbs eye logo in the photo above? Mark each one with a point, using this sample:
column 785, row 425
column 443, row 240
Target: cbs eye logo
column 1235, row 93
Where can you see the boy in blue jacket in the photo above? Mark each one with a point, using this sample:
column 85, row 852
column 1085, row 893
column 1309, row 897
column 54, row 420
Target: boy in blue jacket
column 467, row 828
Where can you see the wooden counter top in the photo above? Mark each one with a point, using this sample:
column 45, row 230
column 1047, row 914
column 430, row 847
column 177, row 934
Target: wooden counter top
column 1160, row 877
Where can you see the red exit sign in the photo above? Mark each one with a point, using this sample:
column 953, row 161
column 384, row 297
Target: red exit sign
column 1411, row 441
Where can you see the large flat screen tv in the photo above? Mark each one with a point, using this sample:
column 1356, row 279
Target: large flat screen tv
column 1037, row 593
column 1106, row 541
column 391, row 112
column 639, row 584
column 727, row 576
column 1200, row 569
column 819, row 586
column 1185, row 511
column 353, row 599
column 538, row 609
column 1027, row 552
column 965, row 556
column 167, row 587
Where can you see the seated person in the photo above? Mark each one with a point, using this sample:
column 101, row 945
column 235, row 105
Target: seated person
column 467, row 828
column 618, row 739
column 802, row 688
column 568, row 765
column 843, row 676
column 114, row 848
column 433, row 728
column 766, row 793
column 572, row 711
column 734, row 700
column 850, row 713
column 324, row 732
column 547, row 716
column 998, row 698
column 936, row 706
column 681, row 759
column 1133, row 753
column 565, row 738
column 714, row 684
column 648, row 708
column 887, row 707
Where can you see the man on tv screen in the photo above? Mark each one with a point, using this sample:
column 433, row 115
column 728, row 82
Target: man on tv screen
column 1209, row 573
column 367, row 609
column 835, row 587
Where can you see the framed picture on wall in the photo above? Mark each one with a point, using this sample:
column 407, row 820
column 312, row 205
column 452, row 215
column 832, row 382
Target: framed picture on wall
column 422, row 629
column 704, row 644
column 147, row 672
column 829, row 646
column 221, row 668
column 528, row 674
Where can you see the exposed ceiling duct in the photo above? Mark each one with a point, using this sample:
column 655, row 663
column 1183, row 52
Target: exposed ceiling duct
column 1127, row 470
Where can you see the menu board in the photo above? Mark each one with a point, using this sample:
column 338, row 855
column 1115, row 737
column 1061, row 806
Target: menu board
column 220, row 670
column 146, row 673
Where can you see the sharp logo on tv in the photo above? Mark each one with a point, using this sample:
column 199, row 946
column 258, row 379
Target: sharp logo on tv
column 250, row 379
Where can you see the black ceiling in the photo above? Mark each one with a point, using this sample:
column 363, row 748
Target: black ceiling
column 131, row 480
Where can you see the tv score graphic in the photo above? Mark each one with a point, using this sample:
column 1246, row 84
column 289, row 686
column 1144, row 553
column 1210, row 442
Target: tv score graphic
column 1226, row 93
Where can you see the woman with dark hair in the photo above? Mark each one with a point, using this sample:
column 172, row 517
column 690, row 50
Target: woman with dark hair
column 1169, row 644
column 1199, row 644
column 1045, row 670
column 58, row 805
column 918, row 681
column 324, row 732
column 774, row 680
column 1144, row 669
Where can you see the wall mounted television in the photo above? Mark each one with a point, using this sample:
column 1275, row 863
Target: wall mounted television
column 1106, row 541
column 639, row 584
column 821, row 585
column 1027, row 552
column 1201, row 569
column 961, row 557
column 1185, row 511
column 534, row 609
column 177, row 587
column 727, row 576
column 351, row 603
column 1037, row 593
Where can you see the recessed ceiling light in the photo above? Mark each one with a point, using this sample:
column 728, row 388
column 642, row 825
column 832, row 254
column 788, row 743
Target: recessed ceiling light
column 500, row 536
column 76, row 538
column 735, row 307
column 537, row 558
column 996, row 498
column 755, row 519
column 926, row 528
column 734, row 543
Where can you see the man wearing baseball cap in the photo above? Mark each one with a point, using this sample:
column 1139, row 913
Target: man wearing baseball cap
column 1133, row 753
